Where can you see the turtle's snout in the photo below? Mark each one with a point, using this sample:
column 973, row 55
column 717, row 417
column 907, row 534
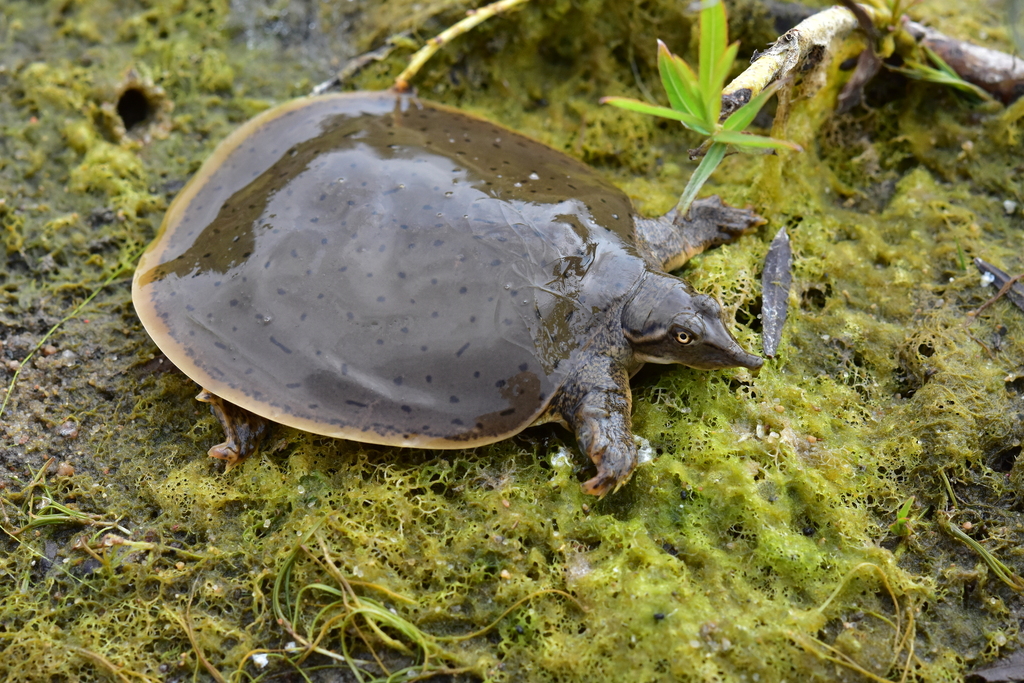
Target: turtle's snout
column 748, row 360
column 725, row 352
column 720, row 349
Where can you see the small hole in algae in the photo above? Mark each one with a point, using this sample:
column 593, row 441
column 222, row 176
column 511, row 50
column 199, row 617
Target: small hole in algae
column 815, row 298
column 133, row 108
column 750, row 315
column 1004, row 460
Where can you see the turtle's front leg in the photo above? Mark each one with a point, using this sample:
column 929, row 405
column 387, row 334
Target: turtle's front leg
column 243, row 431
column 671, row 240
column 599, row 413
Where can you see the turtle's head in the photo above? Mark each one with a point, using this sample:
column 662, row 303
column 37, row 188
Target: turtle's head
column 666, row 321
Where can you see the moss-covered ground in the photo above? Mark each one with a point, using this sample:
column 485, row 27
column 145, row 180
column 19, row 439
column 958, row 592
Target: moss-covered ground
column 759, row 544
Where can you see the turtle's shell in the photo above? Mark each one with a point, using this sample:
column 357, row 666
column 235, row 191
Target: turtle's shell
column 378, row 268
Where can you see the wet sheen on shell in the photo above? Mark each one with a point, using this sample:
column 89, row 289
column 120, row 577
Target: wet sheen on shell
column 374, row 267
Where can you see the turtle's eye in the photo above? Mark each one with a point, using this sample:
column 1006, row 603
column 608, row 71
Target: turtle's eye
column 684, row 337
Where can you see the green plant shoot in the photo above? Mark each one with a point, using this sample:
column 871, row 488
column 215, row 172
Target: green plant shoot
column 943, row 75
column 695, row 100
column 915, row 63
column 903, row 524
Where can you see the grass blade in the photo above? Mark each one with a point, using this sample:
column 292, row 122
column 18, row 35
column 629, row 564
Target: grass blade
column 754, row 141
column 713, row 36
column 943, row 75
column 707, row 166
column 688, row 120
column 671, row 81
column 922, row 72
column 722, row 68
column 680, row 83
column 941, row 63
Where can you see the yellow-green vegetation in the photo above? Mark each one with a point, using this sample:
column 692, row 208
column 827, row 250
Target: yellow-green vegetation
column 696, row 101
column 758, row 545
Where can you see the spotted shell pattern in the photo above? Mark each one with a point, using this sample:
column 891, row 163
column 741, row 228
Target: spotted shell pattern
column 375, row 267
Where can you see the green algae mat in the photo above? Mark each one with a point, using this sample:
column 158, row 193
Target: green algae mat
column 853, row 512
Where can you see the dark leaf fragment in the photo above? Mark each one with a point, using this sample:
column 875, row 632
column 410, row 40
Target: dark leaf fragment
column 868, row 64
column 775, row 281
column 999, row 279
column 1007, row 670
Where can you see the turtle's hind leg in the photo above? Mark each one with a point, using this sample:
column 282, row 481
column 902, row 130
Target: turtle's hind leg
column 243, row 431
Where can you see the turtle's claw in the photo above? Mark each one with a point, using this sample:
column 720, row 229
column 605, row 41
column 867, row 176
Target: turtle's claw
column 243, row 431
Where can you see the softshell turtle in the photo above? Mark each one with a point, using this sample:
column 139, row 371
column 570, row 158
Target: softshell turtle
column 374, row 267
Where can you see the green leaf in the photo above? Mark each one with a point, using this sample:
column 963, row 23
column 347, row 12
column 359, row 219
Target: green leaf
column 671, row 80
column 713, row 38
column 704, row 170
column 953, row 78
column 921, row 72
column 960, row 254
column 754, row 141
column 944, row 75
column 680, row 82
column 721, row 72
column 688, row 120
column 742, row 117
column 901, row 527
column 940, row 62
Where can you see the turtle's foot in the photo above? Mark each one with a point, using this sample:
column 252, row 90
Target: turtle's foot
column 243, row 431
column 671, row 240
column 595, row 403
column 711, row 222
column 607, row 440
column 615, row 465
